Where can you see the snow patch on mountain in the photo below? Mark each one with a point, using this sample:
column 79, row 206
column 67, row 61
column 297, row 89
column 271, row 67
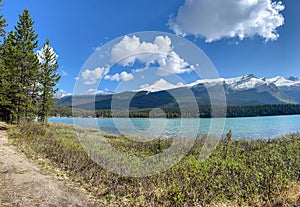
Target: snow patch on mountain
column 238, row 83
column 246, row 82
column 280, row 81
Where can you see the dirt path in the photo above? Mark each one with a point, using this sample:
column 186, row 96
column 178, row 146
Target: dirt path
column 24, row 184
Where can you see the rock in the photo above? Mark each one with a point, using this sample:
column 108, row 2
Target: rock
column 3, row 126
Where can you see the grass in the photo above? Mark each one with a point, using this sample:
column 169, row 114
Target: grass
column 22, row 172
column 237, row 173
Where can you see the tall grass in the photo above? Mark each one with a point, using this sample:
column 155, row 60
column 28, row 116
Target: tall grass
column 238, row 172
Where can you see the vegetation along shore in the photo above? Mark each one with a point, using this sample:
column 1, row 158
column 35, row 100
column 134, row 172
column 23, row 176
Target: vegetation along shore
column 237, row 173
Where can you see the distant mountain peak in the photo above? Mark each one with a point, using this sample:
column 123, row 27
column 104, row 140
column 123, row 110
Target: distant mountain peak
column 161, row 82
column 293, row 78
column 160, row 85
column 281, row 81
column 280, row 78
column 249, row 76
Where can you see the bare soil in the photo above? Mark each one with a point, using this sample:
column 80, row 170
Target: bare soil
column 23, row 183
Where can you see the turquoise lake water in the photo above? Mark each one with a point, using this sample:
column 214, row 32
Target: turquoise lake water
column 246, row 128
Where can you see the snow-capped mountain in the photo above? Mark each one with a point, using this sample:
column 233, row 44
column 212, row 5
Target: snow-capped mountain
column 239, row 83
column 247, row 89
column 244, row 90
column 160, row 85
column 280, row 81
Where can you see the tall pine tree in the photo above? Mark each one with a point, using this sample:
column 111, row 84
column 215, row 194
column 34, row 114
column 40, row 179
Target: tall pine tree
column 27, row 65
column 21, row 70
column 48, row 81
column 10, row 81
column 3, row 73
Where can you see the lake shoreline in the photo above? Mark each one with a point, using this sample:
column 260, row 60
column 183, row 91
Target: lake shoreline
column 245, row 128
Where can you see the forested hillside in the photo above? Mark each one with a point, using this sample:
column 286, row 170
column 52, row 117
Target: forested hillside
column 202, row 112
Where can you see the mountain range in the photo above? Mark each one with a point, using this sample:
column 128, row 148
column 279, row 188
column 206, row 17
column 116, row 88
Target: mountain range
column 244, row 90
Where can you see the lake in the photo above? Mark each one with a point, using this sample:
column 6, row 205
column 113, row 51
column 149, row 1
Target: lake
column 246, row 127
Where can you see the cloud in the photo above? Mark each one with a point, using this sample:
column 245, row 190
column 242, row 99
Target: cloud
column 76, row 78
column 175, row 63
column 217, row 19
column 63, row 73
column 160, row 51
column 41, row 54
column 124, row 76
column 94, row 91
column 144, row 86
column 139, row 70
column 97, row 49
column 61, row 93
column 90, row 77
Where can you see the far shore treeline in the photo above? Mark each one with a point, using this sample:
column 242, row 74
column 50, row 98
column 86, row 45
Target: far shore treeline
column 204, row 112
column 28, row 76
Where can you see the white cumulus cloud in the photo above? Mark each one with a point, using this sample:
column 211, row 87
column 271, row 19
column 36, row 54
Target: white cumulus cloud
column 217, row 19
column 91, row 77
column 160, row 51
column 123, row 76
column 41, row 54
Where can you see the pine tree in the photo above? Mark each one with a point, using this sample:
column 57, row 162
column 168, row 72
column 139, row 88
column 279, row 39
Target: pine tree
column 48, row 81
column 3, row 73
column 3, row 91
column 27, row 65
column 2, row 24
column 10, row 85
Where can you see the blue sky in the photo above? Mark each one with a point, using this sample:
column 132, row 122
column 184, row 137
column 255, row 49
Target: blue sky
column 76, row 28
